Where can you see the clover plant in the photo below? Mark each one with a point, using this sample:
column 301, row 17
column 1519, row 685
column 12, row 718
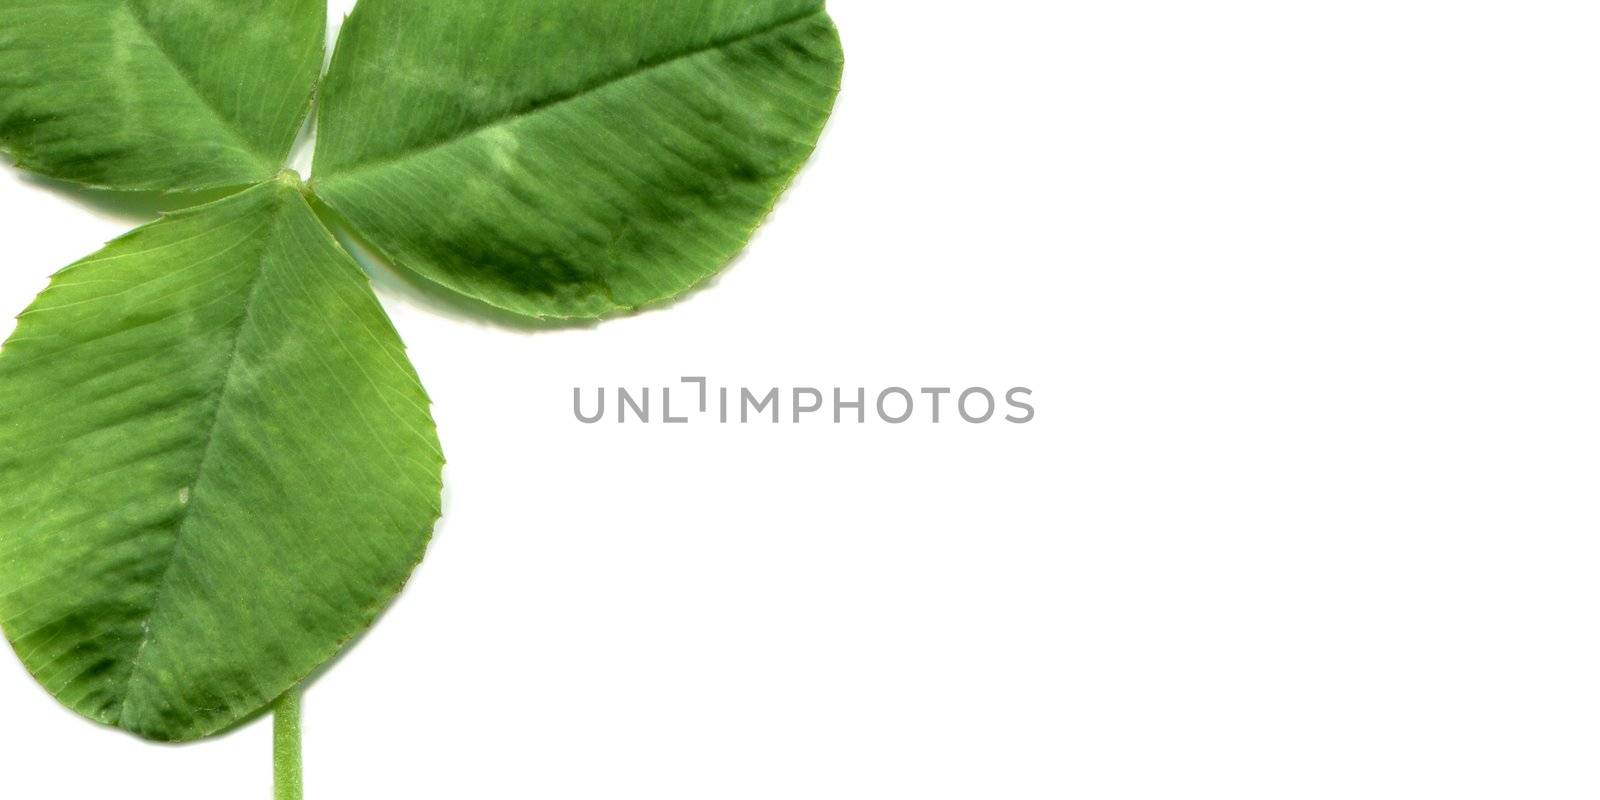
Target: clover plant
column 217, row 465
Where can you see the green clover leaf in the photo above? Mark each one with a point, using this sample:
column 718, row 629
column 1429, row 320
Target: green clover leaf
column 217, row 465
column 587, row 162
column 156, row 94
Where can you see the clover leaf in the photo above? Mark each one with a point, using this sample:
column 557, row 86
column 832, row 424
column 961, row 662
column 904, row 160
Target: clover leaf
column 217, row 465
column 156, row 94
column 600, row 158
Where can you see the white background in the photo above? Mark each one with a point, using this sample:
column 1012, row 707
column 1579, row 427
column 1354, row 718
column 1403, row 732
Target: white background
column 1308, row 297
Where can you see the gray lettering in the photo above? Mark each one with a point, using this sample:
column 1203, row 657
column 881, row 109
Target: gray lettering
column 747, row 402
column 625, row 402
column 987, row 397
column 702, row 383
column 811, row 408
column 884, row 414
column 577, row 406
column 666, row 408
column 1011, row 398
column 935, row 393
column 839, row 405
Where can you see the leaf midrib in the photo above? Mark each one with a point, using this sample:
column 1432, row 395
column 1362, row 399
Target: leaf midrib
column 549, row 102
column 262, row 162
column 245, row 319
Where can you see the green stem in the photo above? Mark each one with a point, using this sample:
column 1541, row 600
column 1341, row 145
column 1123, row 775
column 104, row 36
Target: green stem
column 286, row 747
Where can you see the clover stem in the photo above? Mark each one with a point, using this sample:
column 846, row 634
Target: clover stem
column 286, row 747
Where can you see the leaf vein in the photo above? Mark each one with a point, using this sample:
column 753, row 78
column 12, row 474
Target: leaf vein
column 579, row 93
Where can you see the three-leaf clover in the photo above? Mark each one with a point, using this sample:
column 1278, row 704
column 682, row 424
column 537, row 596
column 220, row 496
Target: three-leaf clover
column 217, row 465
